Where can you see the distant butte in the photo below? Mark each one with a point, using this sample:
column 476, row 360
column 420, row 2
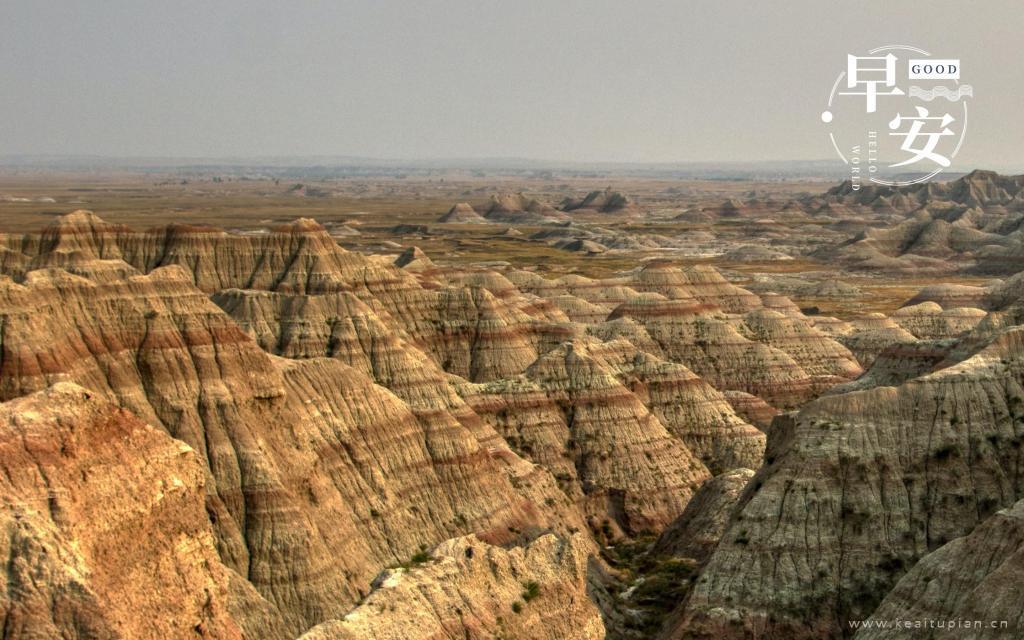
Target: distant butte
column 701, row 410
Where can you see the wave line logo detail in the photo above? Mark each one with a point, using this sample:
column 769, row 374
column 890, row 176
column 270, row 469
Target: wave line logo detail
column 941, row 91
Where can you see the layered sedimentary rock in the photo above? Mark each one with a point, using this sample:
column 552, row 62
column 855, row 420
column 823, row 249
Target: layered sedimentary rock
column 700, row 282
column 830, row 290
column 718, row 441
column 692, row 316
column 304, row 458
column 901, row 362
column 826, row 361
column 950, row 296
column 857, row 488
column 628, row 329
column 494, row 282
column 413, row 259
column 341, row 326
column 1004, row 293
column 968, row 223
column 696, row 532
column 781, row 304
column 481, row 328
column 928, row 320
column 752, row 409
column 579, row 310
column 607, row 201
column 571, row 414
column 833, row 327
column 462, row 213
column 872, row 334
column 518, row 208
column 348, row 412
column 972, row 579
column 297, row 257
column 105, row 529
column 574, row 236
column 692, row 410
column 713, row 348
column 611, row 292
column 468, row 330
column 470, row 589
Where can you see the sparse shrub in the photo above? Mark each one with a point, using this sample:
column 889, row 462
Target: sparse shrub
column 892, row 564
column 420, row 556
column 530, row 591
column 666, row 584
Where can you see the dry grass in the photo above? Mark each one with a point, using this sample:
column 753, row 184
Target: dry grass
column 375, row 206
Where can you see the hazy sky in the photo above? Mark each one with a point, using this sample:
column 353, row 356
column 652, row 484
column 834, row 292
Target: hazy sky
column 561, row 80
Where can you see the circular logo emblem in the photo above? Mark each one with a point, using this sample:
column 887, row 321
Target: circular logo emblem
column 897, row 115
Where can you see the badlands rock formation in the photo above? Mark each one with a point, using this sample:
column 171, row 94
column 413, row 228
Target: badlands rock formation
column 346, row 412
column 281, row 438
column 696, row 532
column 106, row 531
column 949, row 296
column 971, row 223
column 607, row 201
column 599, row 439
column 928, row 320
column 752, row 409
column 304, row 498
column 870, row 335
column 973, row 578
column 857, row 487
column 462, row 213
column 519, row 209
column 467, row 588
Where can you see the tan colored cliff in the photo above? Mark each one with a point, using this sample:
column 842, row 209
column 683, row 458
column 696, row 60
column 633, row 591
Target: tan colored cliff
column 752, row 409
column 105, row 530
column 691, row 409
column 317, row 478
column 707, row 343
column 973, row 579
column 570, row 413
column 347, row 412
column 470, row 589
column 872, row 334
column 856, row 489
column 928, row 320
column 826, row 361
column 699, row 282
column 696, row 532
